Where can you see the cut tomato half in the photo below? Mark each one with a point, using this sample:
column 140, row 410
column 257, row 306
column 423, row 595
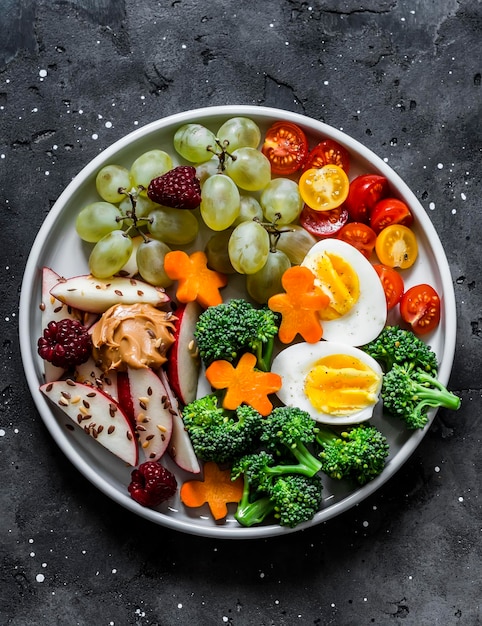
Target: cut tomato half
column 420, row 307
column 392, row 284
column 327, row 152
column 286, row 147
column 396, row 246
column 360, row 236
column 390, row 211
column 325, row 188
column 323, row 224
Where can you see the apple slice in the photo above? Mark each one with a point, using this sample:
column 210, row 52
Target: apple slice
column 95, row 412
column 52, row 310
column 152, row 412
column 124, row 395
column 91, row 374
column 96, row 295
column 180, row 447
column 183, row 363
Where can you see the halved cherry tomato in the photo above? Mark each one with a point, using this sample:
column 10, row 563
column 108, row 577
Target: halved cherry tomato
column 325, row 188
column 396, row 246
column 326, row 152
column 420, row 307
column 365, row 191
column 360, row 236
column 286, row 147
column 323, row 224
column 390, row 211
column 392, row 284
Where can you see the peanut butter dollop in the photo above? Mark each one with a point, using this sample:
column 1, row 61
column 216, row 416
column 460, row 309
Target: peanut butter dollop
column 134, row 335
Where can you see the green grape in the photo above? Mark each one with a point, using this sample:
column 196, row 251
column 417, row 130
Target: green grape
column 96, row 220
column 249, row 169
column 239, row 132
column 191, row 141
column 149, row 165
column 207, row 169
column 110, row 254
column 248, row 247
column 144, row 206
column 295, row 242
column 281, row 197
column 109, row 180
column 219, row 202
column 267, row 281
column 249, row 209
column 216, row 250
column 173, row 226
column 150, row 262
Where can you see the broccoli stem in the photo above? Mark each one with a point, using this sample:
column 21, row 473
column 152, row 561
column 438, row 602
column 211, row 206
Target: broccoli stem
column 434, row 393
column 251, row 513
column 309, row 464
column 264, row 354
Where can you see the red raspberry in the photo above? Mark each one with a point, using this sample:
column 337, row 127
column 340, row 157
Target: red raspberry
column 65, row 343
column 151, row 484
column 179, row 188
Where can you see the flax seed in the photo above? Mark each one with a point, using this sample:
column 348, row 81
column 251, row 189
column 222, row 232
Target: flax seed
column 111, row 429
column 163, row 429
column 118, row 292
column 70, row 382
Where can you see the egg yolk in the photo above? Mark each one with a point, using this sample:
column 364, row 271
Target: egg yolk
column 341, row 384
column 339, row 281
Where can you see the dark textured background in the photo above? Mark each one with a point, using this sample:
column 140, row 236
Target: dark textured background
column 404, row 78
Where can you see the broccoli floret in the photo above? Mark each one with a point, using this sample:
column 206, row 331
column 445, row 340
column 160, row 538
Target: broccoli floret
column 397, row 345
column 358, row 453
column 289, row 430
column 291, row 498
column 218, row 434
column 231, row 328
column 408, row 392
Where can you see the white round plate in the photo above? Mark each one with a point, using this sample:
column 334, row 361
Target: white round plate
column 58, row 246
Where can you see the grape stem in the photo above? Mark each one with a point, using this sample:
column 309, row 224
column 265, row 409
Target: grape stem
column 221, row 155
column 131, row 215
column 273, row 231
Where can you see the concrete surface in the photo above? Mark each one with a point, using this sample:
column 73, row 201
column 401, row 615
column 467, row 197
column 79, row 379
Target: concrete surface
column 404, row 78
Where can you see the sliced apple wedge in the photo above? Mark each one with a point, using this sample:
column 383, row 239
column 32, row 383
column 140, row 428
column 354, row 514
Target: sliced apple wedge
column 152, row 412
column 91, row 374
column 183, row 360
column 180, row 447
column 96, row 295
column 95, row 412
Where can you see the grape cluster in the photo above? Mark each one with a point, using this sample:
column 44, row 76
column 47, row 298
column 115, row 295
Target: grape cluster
column 249, row 217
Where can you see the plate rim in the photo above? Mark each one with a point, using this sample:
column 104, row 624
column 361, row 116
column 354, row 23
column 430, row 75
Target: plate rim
column 26, row 302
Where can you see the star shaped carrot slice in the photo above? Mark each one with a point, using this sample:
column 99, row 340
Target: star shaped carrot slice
column 243, row 383
column 299, row 306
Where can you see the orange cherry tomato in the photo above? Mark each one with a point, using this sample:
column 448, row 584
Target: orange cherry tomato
column 286, row 147
column 360, row 236
column 420, row 307
column 326, row 152
column 396, row 246
column 392, row 284
column 365, row 191
column 325, row 188
column 390, row 211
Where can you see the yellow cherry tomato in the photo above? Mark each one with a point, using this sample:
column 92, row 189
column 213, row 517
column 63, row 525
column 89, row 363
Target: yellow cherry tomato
column 325, row 188
column 396, row 246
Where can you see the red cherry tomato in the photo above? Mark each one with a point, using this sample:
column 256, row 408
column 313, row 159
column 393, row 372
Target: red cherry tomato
column 360, row 236
column 365, row 191
column 390, row 211
column 328, row 151
column 286, row 147
column 323, row 224
column 392, row 284
column 420, row 307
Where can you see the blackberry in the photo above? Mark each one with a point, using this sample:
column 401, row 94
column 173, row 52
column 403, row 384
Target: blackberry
column 179, row 188
column 66, row 343
column 151, row 484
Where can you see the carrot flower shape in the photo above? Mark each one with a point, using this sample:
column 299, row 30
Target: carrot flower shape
column 299, row 306
column 217, row 490
column 243, row 383
column 195, row 280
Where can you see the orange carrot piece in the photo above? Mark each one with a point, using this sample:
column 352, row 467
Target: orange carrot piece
column 243, row 383
column 299, row 306
column 196, row 281
column 217, row 490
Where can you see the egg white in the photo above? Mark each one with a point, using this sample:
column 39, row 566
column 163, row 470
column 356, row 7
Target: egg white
column 295, row 362
column 367, row 317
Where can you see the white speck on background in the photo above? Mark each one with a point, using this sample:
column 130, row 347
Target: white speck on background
column 30, row 540
column 179, row 606
column 32, row 554
column 437, row 468
column 454, row 211
column 431, row 206
column 42, row 74
column 95, row 136
column 108, row 124
column 365, row 524
column 440, row 166
column 463, row 196
column 183, row 46
column 225, row 619
column 40, row 578
column 461, row 499
column 2, row 432
column 114, row 571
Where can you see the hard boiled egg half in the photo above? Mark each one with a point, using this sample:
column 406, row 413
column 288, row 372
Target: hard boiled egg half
column 358, row 308
column 335, row 383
